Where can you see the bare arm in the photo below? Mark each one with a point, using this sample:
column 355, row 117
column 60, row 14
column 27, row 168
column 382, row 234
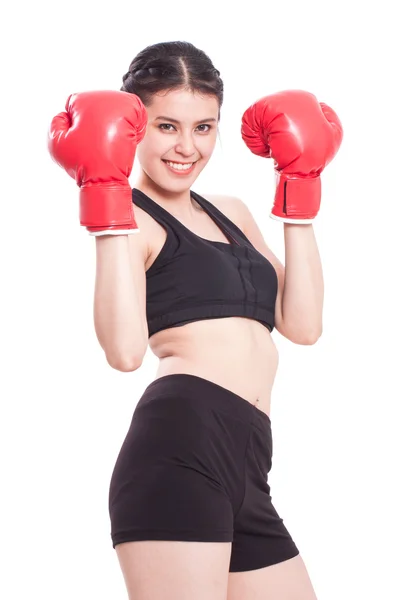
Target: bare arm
column 119, row 300
column 303, row 292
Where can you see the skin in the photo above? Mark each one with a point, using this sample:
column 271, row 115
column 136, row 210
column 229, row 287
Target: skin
column 183, row 143
column 242, row 358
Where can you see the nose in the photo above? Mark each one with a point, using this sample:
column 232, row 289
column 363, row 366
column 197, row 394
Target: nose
column 186, row 144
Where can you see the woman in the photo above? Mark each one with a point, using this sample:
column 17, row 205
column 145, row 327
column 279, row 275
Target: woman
column 190, row 505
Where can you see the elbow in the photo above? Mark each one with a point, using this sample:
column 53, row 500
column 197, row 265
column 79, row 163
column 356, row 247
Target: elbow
column 125, row 361
column 302, row 338
column 124, row 364
column 310, row 339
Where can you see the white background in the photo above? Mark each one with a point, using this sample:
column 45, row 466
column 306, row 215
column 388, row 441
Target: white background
column 65, row 412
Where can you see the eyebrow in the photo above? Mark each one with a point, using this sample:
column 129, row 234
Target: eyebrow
column 176, row 121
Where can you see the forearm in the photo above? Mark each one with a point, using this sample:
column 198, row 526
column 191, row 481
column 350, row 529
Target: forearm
column 117, row 313
column 303, row 292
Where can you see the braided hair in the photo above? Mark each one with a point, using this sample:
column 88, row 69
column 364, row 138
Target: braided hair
column 172, row 65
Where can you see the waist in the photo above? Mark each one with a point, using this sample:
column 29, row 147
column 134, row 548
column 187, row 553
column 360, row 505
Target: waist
column 240, row 356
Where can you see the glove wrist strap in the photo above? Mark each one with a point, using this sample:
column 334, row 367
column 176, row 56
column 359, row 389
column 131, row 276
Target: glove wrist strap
column 296, row 199
column 106, row 206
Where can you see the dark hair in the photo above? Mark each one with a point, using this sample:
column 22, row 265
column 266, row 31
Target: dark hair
column 172, row 65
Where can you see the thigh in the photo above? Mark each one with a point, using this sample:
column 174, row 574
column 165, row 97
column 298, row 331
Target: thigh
column 174, row 570
column 287, row 580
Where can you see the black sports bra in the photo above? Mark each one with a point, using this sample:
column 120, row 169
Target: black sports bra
column 193, row 278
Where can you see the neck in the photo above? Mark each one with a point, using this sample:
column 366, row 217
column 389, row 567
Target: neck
column 179, row 204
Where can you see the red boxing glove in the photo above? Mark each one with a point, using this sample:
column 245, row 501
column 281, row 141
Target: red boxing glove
column 302, row 136
column 95, row 142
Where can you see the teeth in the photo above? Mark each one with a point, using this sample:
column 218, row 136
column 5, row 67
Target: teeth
column 178, row 166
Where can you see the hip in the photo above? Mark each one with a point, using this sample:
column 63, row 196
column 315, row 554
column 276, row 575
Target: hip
column 187, row 413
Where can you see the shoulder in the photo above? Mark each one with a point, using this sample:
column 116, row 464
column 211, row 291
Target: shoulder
column 244, row 219
column 238, row 211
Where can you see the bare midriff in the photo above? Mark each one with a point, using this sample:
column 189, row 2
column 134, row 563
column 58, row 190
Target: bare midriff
column 235, row 352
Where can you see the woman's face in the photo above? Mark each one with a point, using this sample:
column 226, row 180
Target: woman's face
column 181, row 128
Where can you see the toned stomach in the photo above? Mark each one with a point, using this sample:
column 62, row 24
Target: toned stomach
column 235, row 352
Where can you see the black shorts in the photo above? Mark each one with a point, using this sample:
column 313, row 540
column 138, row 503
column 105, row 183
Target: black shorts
column 194, row 467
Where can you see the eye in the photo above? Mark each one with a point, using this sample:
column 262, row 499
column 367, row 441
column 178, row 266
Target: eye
column 166, row 125
column 205, row 125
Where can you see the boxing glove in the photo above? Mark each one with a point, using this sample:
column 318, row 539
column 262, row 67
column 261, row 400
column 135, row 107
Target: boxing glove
column 95, row 141
column 302, row 135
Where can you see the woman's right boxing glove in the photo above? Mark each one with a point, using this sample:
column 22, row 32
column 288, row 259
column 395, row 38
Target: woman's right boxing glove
column 95, row 141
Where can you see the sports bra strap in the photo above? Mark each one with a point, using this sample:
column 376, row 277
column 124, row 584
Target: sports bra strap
column 230, row 229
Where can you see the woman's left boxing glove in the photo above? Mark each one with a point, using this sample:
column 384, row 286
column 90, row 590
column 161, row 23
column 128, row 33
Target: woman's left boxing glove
column 302, row 135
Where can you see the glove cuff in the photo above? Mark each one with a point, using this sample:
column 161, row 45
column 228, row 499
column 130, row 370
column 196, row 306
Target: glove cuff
column 295, row 221
column 296, row 199
column 106, row 207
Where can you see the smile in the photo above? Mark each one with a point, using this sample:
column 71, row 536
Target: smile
column 179, row 167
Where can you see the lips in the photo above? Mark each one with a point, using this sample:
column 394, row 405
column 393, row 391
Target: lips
column 180, row 171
